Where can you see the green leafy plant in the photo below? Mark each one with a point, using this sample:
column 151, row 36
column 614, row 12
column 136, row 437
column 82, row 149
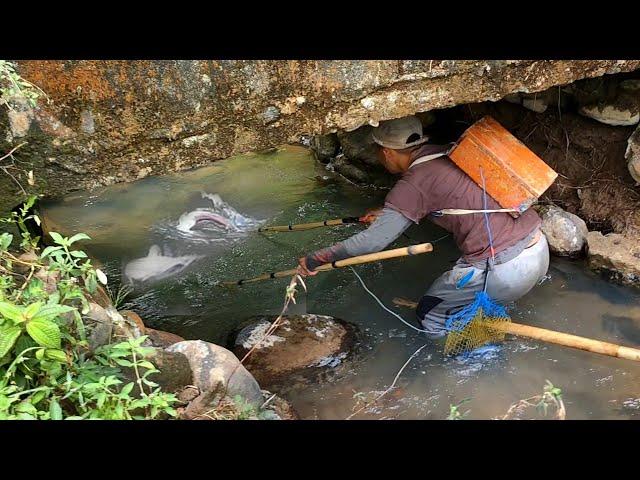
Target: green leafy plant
column 12, row 86
column 47, row 370
column 549, row 399
column 121, row 295
column 455, row 412
column 19, row 219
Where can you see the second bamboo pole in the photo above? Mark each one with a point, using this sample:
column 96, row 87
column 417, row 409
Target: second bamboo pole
column 371, row 257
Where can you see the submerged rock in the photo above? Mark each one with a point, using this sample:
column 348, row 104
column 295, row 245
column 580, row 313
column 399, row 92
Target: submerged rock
column 566, row 233
column 350, row 171
column 632, row 155
column 325, row 147
column 615, row 255
column 216, row 368
column 300, row 343
column 358, row 145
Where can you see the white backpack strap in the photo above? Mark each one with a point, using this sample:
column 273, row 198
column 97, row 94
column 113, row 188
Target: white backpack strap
column 460, row 211
column 426, row 158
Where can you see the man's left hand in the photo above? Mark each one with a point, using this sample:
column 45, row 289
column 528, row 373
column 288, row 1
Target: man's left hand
column 302, row 268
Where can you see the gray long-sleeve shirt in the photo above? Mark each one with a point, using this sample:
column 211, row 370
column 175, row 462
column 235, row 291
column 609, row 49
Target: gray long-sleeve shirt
column 387, row 227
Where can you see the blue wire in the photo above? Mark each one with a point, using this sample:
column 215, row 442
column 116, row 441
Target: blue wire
column 486, row 220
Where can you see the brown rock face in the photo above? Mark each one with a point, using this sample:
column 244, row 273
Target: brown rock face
column 118, row 121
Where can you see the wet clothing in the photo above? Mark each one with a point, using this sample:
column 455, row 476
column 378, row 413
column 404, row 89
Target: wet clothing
column 439, row 184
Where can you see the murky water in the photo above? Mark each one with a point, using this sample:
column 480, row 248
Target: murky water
column 288, row 186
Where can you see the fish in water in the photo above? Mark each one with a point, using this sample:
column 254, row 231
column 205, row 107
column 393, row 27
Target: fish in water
column 197, row 217
column 156, row 266
column 222, row 215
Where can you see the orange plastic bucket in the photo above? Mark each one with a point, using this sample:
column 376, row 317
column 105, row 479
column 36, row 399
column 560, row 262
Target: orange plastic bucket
column 515, row 177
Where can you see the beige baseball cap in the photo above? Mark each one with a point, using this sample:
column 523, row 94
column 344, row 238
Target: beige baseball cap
column 400, row 133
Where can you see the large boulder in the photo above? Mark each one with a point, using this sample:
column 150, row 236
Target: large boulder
column 566, row 233
column 215, row 368
column 174, row 372
column 301, row 343
column 616, row 256
column 350, row 171
column 118, row 121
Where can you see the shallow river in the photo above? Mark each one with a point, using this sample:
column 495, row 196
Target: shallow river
column 124, row 221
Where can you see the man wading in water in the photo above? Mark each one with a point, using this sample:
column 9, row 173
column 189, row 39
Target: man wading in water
column 432, row 182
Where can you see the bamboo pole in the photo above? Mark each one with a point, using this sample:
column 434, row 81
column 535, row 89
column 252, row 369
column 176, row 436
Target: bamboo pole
column 567, row 340
column 309, row 226
column 551, row 336
column 371, row 257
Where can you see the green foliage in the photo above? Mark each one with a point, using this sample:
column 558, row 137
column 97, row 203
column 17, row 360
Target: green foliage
column 455, row 413
column 19, row 219
column 121, row 295
column 46, row 368
column 551, row 396
column 14, row 86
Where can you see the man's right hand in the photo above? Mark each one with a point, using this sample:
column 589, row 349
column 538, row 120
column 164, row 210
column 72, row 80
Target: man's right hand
column 371, row 215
